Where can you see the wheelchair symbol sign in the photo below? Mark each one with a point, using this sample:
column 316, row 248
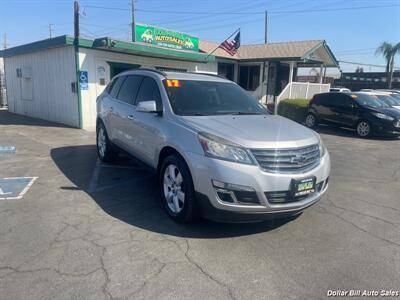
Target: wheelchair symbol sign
column 84, row 80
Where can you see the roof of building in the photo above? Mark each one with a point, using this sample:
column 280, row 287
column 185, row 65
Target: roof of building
column 311, row 50
column 307, row 52
column 107, row 43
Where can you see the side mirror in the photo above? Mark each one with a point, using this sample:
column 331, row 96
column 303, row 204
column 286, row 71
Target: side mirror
column 148, row 107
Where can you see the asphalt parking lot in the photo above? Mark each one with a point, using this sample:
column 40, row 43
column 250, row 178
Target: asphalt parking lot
column 86, row 230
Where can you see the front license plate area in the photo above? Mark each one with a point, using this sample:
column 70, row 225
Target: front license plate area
column 303, row 187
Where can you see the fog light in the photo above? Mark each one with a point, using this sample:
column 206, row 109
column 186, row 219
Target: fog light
column 225, row 196
column 234, row 193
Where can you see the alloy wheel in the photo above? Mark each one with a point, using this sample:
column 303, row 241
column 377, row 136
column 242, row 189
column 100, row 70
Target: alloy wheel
column 101, row 142
column 172, row 185
column 363, row 129
column 310, row 121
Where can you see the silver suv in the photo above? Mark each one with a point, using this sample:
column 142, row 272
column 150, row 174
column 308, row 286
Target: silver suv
column 216, row 150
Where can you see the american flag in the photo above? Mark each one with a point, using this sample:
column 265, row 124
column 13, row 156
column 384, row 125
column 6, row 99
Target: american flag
column 231, row 46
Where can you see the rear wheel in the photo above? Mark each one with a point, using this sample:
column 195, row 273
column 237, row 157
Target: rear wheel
column 363, row 129
column 311, row 121
column 177, row 189
column 105, row 149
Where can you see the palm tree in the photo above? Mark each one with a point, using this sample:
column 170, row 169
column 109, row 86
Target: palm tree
column 389, row 51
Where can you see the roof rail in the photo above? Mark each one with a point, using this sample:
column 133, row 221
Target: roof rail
column 153, row 70
column 209, row 74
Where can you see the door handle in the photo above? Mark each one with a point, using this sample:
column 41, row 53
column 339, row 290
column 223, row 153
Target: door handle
column 130, row 117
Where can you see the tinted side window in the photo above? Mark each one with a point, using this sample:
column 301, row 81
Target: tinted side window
column 149, row 91
column 322, row 99
column 129, row 89
column 340, row 100
column 116, row 86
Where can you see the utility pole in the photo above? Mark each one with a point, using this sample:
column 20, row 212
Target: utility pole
column 266, row 28
column 76, row 21
column 50, row 30
column 133, row 21
column 75, row 85
column 5, row 41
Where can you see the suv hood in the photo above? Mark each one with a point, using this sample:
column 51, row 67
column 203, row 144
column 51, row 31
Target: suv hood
column 254, row 131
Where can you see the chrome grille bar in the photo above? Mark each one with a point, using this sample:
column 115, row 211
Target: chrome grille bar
column 292, row 160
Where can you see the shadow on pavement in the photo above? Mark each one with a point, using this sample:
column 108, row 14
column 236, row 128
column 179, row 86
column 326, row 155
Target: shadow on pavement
column 128, row 191
column 8, row 118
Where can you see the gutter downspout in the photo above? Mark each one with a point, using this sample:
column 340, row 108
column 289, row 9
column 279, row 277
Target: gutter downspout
column 78, row 86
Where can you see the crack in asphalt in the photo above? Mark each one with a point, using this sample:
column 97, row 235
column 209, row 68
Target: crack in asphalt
column 360, row 213
column 203, row 271
column 357, row 227
column 199, row 267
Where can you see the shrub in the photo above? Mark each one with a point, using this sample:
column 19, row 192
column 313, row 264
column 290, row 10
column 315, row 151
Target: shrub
column 294, row 109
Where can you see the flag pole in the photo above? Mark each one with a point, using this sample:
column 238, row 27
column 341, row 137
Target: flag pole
column 221, row 43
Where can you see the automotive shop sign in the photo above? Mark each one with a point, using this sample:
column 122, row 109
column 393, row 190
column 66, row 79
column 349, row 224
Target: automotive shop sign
column 166, row 38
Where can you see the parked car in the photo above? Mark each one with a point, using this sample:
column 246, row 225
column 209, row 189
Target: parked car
column 388, row 98
column 361, row 111
column 215, row 149
column 339, row 89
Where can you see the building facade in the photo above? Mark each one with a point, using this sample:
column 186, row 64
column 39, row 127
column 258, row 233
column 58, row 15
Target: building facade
column 59, row 79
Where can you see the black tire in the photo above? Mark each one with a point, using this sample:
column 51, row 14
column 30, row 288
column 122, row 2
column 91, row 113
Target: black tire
column 109, row 153
column 188, row 210
column 364, row 129
column 311, row 120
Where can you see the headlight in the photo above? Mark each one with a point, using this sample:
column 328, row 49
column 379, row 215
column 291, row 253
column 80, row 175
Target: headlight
column 382, row 116
column 220, row 148
column 321, row 146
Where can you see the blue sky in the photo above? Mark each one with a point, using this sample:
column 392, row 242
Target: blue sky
column 352, row 33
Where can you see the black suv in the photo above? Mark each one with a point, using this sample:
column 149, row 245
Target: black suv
column 363, row 112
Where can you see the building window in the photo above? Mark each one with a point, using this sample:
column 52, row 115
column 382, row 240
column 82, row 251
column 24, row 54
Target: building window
column 249, row 77
column 226, row 70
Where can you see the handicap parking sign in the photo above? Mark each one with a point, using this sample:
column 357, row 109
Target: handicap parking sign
column 84, row 80
column 15, row 188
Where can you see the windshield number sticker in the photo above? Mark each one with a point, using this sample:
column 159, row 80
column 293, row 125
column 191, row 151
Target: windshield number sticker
column 173, row 83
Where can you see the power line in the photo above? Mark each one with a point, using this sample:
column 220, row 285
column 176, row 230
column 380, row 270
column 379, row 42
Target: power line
column 362, row 64
column 333, row 9
column 246, row 13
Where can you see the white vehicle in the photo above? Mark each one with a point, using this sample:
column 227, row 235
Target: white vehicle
column 216, row 150
column 339, row 90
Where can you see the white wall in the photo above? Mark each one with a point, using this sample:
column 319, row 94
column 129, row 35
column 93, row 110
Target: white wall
column 91, row 60
column 49, row 88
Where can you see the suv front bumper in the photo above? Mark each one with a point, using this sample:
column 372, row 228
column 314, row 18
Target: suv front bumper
column 204, row 170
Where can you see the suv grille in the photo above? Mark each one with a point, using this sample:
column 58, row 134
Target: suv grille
column 293, row 160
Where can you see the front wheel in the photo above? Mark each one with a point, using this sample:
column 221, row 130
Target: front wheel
column 363, row 129
column 177, row 189
column 311, row 121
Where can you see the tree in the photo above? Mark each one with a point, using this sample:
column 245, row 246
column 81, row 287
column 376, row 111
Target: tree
column 389, row 51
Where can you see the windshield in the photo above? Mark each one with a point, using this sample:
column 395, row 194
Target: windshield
column 368, row 100
column 198, row 98
column 388, row 100
column 396, row 97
